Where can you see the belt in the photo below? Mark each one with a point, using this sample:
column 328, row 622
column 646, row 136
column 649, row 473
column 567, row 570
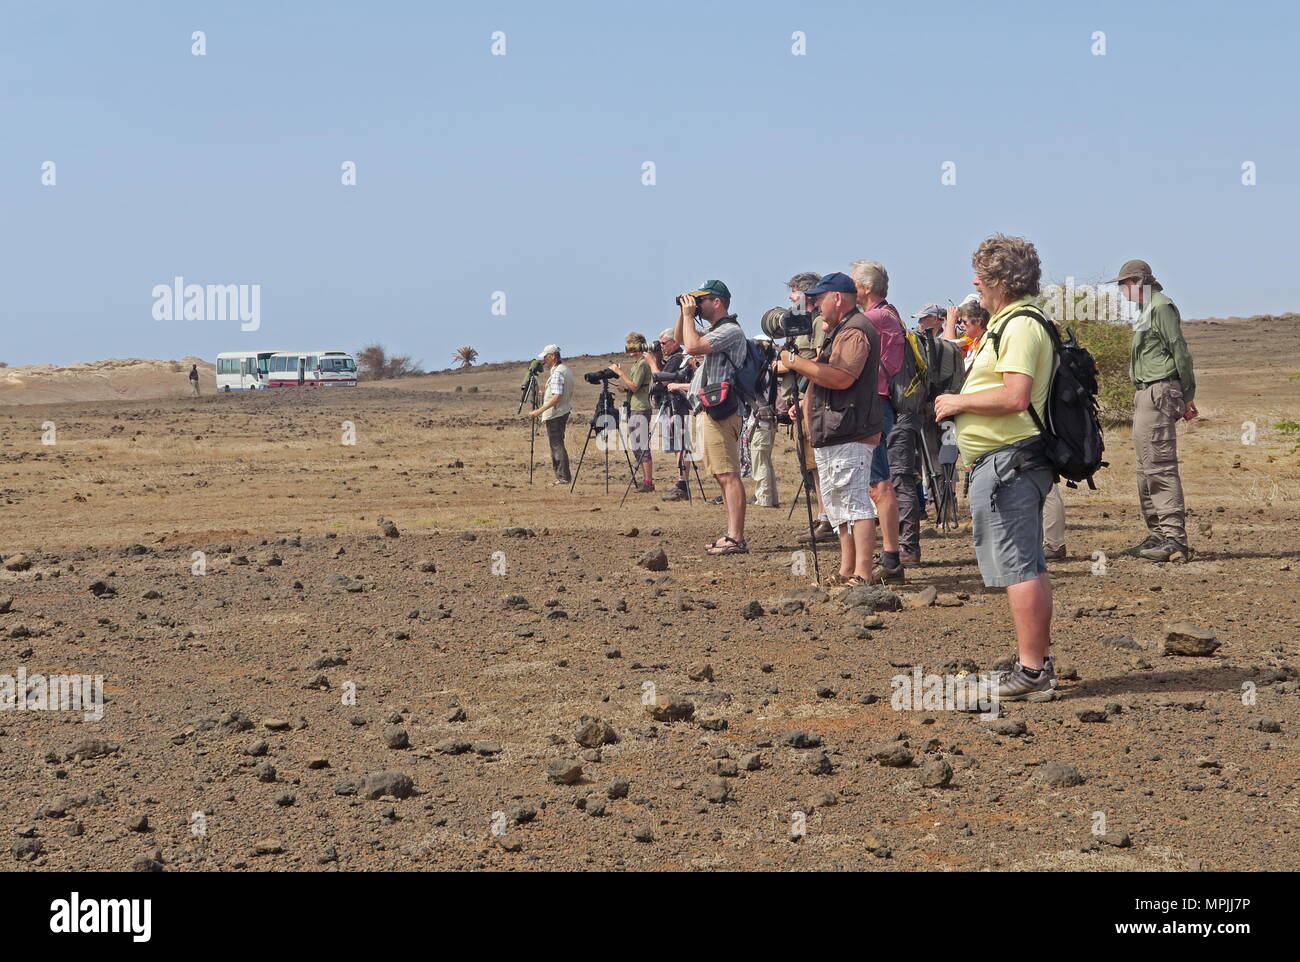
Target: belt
column 1143, row 385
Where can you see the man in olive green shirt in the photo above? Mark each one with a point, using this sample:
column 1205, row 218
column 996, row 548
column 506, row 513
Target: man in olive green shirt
column 1160, row 367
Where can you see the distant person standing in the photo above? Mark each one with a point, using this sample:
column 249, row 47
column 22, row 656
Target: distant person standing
column 1160, row 367
column 674, row 409
column 974, row 319
column 843, row 420
column 554, row 412
column 194, row 380
column 762, row 437
column 873, row 287
column 1010, row 473
column 636, row 382
column 721, row 349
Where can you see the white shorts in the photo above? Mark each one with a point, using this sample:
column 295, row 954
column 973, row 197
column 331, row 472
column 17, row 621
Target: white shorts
column 844, row 476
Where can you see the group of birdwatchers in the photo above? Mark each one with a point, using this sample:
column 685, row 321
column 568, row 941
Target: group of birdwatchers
column 991, row 360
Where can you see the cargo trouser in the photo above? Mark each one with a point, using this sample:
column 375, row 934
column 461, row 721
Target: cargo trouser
column 1156, row 412
column 1054, row 519
column 555, row 428
column 761, row 438
column 904, row 465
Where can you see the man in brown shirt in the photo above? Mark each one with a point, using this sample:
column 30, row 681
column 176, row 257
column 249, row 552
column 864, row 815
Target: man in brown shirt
column 843, row 420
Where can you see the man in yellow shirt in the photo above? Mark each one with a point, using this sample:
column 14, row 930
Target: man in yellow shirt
column 1009, row 472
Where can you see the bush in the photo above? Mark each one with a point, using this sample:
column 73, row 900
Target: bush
column 1098, row 323
column 375, row 364
column 1290, row 427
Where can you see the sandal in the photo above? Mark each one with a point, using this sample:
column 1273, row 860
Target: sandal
column 834, row 581
column 727, row 545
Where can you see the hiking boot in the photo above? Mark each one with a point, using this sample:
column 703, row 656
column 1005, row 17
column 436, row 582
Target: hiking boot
column 676, row 493
column 822, row 531
column 642, row 488
column 717, row 500
column 888, row 576
column 1167, row 551
column 1150, row 541
column 907, row 558
column 1015, row 685
column 1054, row 554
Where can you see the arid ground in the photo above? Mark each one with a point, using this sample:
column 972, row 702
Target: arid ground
column 247, row 705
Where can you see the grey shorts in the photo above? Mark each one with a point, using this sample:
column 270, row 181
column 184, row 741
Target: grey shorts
column 1008, row 538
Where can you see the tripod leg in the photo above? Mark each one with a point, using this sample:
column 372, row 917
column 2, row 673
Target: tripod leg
column 574, row 483
column 805, row 473
column 803, row 484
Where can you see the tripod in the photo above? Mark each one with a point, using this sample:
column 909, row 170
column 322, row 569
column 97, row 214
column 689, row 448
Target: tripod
column 805, row 473
column 529, row 395
column 682, row 459
column 941, row 481
column 603, row 419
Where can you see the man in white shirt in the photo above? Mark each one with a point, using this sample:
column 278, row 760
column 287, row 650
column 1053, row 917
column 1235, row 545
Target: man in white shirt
column 554, row 412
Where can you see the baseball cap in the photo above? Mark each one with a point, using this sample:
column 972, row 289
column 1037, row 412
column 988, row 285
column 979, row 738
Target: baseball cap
column 972, row 298
column 1134, row 270
column 837, row 281
column 763, row 337
column 548, row 349
column 930, row 310
column 712, row 287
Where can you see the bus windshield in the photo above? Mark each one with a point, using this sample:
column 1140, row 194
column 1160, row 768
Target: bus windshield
column 337, row 364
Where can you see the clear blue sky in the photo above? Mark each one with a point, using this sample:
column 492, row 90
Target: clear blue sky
column 522, row 173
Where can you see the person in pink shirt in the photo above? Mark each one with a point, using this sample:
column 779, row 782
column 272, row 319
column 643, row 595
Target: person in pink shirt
column 872, row 282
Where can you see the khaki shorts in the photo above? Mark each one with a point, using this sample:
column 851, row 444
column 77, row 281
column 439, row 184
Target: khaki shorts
column 720, row 442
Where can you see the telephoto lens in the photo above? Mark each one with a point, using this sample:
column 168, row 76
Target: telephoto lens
column 773, row 322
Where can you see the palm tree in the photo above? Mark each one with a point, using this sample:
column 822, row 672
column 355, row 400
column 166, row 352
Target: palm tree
column 465, row 356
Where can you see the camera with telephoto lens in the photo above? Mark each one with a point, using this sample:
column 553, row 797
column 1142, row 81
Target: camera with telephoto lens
column 597, row 377
column 781, row 323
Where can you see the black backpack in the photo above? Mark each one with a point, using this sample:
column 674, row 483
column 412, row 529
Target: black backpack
column 1070, row 429
column 947, row 374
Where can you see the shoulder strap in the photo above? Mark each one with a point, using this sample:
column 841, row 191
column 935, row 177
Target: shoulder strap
column 995, row 337
column 1053, row 334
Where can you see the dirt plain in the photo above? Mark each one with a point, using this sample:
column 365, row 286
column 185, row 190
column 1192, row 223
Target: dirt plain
column 228, row 692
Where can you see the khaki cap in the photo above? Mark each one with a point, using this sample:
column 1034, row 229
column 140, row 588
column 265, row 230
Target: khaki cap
column 1133, row 270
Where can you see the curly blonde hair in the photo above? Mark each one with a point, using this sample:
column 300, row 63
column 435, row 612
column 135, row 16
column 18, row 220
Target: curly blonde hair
column 1010, row 263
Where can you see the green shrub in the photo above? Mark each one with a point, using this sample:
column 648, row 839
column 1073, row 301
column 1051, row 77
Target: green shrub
column 1290, row 427
column 1097, row 323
